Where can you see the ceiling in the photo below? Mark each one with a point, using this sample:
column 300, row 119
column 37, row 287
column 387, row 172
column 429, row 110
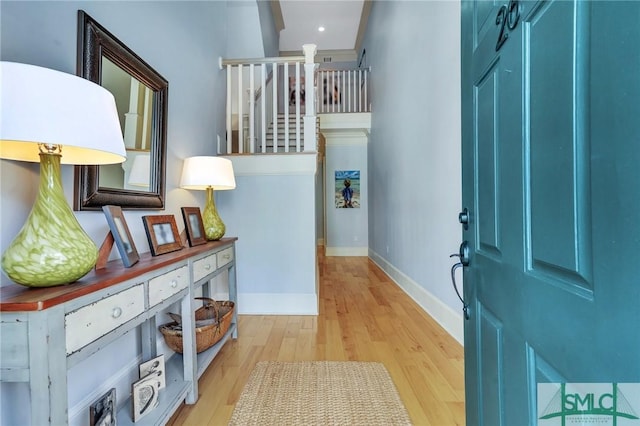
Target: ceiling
column 344, row 22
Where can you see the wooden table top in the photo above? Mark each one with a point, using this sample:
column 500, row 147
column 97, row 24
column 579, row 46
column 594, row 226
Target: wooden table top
column 17, row 298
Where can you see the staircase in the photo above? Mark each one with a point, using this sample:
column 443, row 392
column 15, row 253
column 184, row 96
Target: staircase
column 281, row 143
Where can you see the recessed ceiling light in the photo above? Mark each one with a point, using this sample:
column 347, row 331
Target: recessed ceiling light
column 321, row 28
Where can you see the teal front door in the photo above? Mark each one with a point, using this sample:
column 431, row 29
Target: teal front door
column 551, row 183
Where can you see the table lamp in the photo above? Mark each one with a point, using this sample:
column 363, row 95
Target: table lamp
column 209, row 173
column 54, row 118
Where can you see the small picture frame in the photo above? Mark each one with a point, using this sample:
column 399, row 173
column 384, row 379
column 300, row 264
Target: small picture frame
column 154, row 367
column 162, row 233
column 144, row 395
column 121, row 235
column 194, row 226
column 103, row 411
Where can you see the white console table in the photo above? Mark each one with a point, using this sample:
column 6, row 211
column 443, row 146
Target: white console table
column 47, row 331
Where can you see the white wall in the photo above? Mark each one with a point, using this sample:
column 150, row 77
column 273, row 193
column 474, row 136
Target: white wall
column 346, row 231
column 272, row 212
column 270, row 37
column 245, row 29
column 182, row 41
column 414, row 151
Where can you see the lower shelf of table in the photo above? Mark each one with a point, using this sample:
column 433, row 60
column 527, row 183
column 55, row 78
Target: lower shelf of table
column 205, row 357
column 171, row 397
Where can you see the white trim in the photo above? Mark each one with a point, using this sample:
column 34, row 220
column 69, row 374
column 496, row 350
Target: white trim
column 346, row 137
column 277, row 304
column 346, row 251
column 448, row 318
column 274, row 164
column 337, row 55
column 353, row 120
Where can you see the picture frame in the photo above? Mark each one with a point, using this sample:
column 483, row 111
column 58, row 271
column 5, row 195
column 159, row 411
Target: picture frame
column 154, row 368
column 144, row 396
column 121, row 235
column 347, row 189
column 194, row 226
column 103, row 411
column 162, row 233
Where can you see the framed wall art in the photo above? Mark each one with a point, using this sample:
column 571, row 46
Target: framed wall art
column 347, row 189
column 162, row 233
column 103, row 411
column 144, row 395
column 121, row 235
column 154, row 368
column 194, row 226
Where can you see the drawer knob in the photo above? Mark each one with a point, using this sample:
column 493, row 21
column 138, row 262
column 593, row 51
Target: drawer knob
column 227, row 256
column 174, row 283
column 207, row 266
column 116, row 312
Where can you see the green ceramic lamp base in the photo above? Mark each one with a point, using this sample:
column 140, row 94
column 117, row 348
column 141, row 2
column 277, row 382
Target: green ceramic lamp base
column 51, row 248
column 214, row 228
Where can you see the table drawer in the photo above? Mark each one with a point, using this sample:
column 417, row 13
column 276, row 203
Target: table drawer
column 225, row 256
column 166, row 285
column 203, row 267
column 93, row 321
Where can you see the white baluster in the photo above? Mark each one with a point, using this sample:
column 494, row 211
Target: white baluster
column 366, row 89
column 350, row 91
column 240, row 112
column 229, row 132
column 285, row 97
column 263, row 82
column 344, row 89
column 310, row 102
column 298, row 100
column 252, row 104
column 323, row 90
column 332, row 93
column 359, row 92
column 275, row 107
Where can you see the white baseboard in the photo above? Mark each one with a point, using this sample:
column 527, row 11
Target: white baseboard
column 277, row 304
column 346, row 251
column 448, row 318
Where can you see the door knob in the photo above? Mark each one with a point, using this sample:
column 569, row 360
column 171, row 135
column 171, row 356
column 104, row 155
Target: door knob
column 463, row 255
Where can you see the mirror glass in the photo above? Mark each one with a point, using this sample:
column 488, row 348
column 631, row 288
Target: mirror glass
column 134, row 101
column 141, row 99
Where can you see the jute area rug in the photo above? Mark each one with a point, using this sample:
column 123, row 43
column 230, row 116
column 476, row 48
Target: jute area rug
column 319, row 393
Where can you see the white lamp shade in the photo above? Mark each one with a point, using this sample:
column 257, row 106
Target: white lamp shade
column 42, row 106
column 203, row 172
column 140, row 170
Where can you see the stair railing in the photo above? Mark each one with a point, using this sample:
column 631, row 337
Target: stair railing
column 288, row 91
column 341, row 91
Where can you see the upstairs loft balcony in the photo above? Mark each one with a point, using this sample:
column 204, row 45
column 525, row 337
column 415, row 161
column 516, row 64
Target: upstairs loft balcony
column 273, row 104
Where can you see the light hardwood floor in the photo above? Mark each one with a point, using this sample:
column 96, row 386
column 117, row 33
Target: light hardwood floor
column 364, row 316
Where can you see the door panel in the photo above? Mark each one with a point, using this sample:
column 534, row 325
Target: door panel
column 487, row 195
column 558, row 147
column 551, row 149
column 490, row 358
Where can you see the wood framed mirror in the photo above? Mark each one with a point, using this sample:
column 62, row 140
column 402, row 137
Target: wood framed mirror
column 141, row 98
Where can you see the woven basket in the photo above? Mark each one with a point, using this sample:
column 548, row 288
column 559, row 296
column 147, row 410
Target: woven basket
column 207, row 335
